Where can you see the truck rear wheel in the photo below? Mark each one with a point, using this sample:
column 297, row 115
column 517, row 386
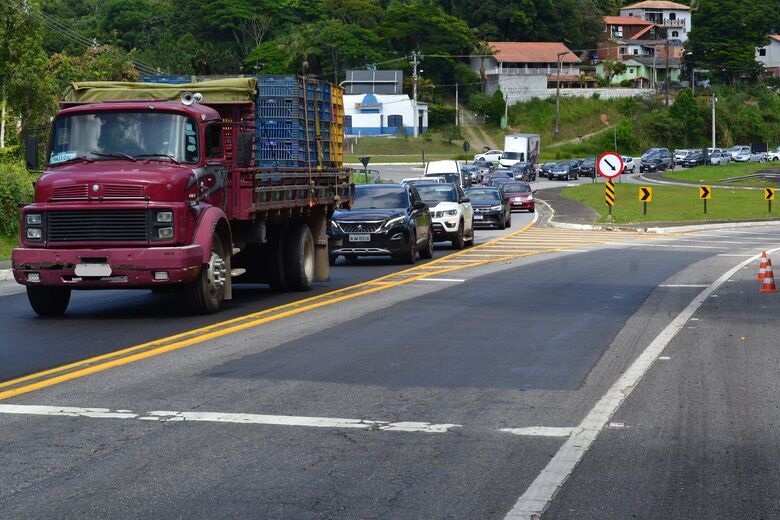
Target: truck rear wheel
column 206, row 293
column 299, row 258
column 48, row 301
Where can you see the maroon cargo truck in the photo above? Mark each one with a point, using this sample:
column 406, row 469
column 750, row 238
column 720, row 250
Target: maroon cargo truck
column 164, row 195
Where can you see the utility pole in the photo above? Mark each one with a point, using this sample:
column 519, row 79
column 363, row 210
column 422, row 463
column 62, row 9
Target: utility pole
column 414, row 102
column 667, row 70
column 506, row 110
column 714, row 100
column 558, row 95
column 456, row 104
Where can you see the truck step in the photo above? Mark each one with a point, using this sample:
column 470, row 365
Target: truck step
column 236, row 250
column 236, row 272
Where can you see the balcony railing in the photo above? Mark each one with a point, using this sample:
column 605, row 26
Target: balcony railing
column 666, row 22
column 543, row 71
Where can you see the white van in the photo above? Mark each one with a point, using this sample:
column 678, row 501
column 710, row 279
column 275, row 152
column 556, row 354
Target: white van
column 449, row 170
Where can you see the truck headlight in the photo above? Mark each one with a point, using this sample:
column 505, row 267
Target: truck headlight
column 165, row 217
column 34, row 233
column 33, row 219
column 166, row 232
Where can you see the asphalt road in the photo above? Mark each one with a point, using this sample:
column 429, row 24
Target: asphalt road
column 468, row 395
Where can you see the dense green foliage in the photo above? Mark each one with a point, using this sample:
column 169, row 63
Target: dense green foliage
column 15, row 187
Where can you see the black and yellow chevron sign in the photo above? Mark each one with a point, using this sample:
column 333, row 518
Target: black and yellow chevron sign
column 769, row 194
column 705, row 192
column 645, row 194
column 610, row 193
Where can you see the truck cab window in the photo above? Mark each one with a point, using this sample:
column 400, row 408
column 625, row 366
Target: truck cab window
column 214, row 142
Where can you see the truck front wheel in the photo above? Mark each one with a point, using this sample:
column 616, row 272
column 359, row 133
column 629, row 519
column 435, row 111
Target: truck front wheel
column 206, row 293
column 299, row 258
column 48, row 301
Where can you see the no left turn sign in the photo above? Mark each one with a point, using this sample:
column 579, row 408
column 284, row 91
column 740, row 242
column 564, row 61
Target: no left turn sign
column 609, row 165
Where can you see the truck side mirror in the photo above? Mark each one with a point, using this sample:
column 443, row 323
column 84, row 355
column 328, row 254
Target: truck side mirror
column 243, row 152
column 31, row 152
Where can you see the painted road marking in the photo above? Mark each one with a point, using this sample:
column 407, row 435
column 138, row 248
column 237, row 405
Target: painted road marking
column 541, row 431
column 442, row 280
column 471, row 257
column 683, row 285
column 735, row 255
column 236, row 418
column 537, row 497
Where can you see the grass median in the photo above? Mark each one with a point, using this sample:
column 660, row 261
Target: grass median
column 674, row 204
column 716, row 174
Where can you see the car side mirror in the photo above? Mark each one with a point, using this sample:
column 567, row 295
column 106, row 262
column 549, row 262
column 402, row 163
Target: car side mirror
column 244, row 150
column 534, row 191
column 420, row 205
column 32, row 153
column 464, row 200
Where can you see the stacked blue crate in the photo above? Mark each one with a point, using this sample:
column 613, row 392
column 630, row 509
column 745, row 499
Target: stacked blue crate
column 293, row 122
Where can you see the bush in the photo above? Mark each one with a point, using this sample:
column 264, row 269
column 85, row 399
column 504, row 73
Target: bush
column 15, row 188
column 451, row 133
column 440, row 115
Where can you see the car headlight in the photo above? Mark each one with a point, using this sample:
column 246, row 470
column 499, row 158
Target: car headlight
column 451, row 212
column 33, row 219
column 165, row 217
column 335, row 225
column 392, row 222
column 495, row 208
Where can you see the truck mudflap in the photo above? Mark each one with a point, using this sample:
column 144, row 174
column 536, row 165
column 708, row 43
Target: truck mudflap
column 108, row 268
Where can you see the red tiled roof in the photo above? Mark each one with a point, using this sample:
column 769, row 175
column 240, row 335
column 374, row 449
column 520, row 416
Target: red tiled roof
column 625, row 20
column 531, row 52
column 657, row 4
column 641, row 33
column 775, row 37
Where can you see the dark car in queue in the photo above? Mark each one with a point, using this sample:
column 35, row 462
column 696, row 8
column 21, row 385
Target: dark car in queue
column 491, row 207
column 588, row 168
column 656, row 159
column 520, row 195
column 544, row 169
column 385, row 219
column 499, row 181
column 523, row 171
column 566, row 171
column 470, row 171
column 693, row 159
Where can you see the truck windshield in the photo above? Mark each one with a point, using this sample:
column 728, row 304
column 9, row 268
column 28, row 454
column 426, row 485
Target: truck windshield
column 116, row 135
column 512, row 156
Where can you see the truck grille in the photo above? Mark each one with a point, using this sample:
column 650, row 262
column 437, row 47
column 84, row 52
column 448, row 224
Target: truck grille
column 360, row 227
column 75, row 191
column 120, row 191
column 97, row 226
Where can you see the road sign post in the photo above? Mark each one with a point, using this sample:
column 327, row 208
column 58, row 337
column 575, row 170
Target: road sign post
column 609, row 165
column 769, row 196
column 609, row 195
column 645, row 196
column 705, row 194
column 466, row 147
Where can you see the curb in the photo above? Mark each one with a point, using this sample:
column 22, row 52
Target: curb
column 690, row 185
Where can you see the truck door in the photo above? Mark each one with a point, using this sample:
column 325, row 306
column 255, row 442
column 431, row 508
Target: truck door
column 217, row 168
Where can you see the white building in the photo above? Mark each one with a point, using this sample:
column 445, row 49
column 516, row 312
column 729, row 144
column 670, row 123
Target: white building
column 769, row 55
column 382, row 114
column 672, row 17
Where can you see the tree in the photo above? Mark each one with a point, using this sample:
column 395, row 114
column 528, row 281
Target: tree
column 725, row 35
column 497, row 106
column 344, row 44
column 363, row 13
column 688, row 118
column 612, row 68
column 103, row 63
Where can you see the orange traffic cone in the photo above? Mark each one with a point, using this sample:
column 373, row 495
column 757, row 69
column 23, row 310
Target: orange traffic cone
column 762, row 268
column 769, row 279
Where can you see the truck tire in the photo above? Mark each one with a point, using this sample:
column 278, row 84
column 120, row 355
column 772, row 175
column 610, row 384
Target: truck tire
column 206, row 294
column 48, row 301
column 299, row 258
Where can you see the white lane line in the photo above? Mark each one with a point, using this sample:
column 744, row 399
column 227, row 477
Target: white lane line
column 442, row 280
column 736, row 255
column 683, row 285
column 541, row 431
column 537, row 497
column 236, row 418
column 678, row 246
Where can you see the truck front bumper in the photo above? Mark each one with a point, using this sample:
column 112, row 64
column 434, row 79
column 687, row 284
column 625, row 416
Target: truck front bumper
column 89, row 268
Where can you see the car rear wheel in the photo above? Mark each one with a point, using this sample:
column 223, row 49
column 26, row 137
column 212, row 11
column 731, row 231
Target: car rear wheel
column 427, row 253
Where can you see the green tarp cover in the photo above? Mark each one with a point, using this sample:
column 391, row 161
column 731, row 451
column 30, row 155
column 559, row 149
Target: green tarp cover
column 233, row 90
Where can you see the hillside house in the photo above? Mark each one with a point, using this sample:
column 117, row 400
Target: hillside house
column 769, row 55
column 672, row 20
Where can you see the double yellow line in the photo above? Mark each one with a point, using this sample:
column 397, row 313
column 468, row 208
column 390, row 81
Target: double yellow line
column 103, row 362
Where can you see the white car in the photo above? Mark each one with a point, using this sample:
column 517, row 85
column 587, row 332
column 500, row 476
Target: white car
column 415, row 180
column 718, row 157
column 490, row 155
column 680, row 154
column 451, row 212
column 629, row 166
column 739, row 153
column 773, row 155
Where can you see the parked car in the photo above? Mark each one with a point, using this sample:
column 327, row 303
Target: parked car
column 416, row 180
column 773, row 155
column 490, row 155
column 451, row 211
column 544, row 169
column 523, row 171
column 758, row 157
column 692, row 159
column 385, row 219
column 565, row 171
column 680, row 154
column 739, row 153
column 521, row 196
column 652, row 164
column 717, row 158
column 629, row 166
column 491, row 207
column 663, row 156
column 588, row 168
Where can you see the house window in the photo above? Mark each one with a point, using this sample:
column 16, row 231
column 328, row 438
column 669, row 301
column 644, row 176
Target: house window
column 636, row 51
column 622, row 50
column 675, row 34
column 395, row 121
column 348, row 122
column 631, row 70
column 762, row 52
column 673, row 16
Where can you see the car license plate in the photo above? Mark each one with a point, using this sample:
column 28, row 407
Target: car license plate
column 478, row 217
column 360, row 238
column 99, row 270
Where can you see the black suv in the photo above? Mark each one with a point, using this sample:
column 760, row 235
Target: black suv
column 491, row 207
column 656, row 159
column 588, row 168
column 523, row 171
column 385, row 219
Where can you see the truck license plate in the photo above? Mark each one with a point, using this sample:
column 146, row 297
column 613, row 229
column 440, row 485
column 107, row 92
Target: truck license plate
column 100, row 270
column 360, row 238
column 478, row 217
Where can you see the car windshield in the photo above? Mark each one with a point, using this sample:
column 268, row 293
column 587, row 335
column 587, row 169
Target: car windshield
column 511, row 155
column 561, row 167
column 448, row 177
column 436, row 194
column 380, row 197
column 517, row 188
column 483, row 195
column 548, row 165
column 590, row 161
column 120, row 135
